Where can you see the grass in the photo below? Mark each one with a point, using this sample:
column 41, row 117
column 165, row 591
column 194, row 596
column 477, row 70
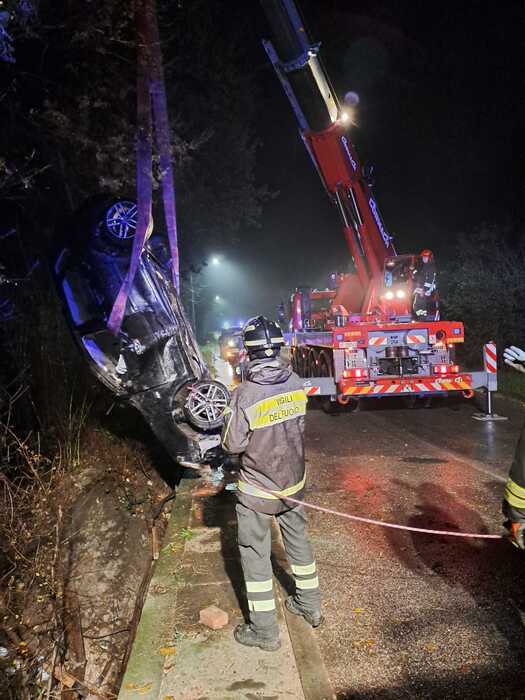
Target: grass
column 512, row 383
column 207, row 350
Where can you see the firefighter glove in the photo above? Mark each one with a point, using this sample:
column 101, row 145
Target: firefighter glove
column 515, row 358
column 517, row 535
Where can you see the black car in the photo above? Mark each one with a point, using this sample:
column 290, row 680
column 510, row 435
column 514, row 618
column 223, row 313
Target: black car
column 154, row 363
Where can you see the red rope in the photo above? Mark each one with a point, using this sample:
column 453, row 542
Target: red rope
column 381, row 523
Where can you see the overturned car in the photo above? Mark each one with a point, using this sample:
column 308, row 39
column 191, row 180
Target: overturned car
column 154, row 363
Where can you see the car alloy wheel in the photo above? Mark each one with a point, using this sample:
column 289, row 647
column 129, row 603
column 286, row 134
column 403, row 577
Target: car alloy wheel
column 205, row 404
column 121, row 221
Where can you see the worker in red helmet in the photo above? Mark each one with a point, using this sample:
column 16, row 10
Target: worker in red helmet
column 425, row 303
column 265, row 425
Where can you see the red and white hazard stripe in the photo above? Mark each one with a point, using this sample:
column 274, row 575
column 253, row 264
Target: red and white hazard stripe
column 490, row 358
column 460, row 383
column 415, row 339
column 378, row 340
column 312, row 390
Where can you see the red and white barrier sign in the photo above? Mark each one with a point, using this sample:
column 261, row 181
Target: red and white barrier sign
column 490, row 358
column 413, row 339
column 378, row 340
column 312, row 390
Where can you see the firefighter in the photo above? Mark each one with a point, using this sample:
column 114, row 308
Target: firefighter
column 514, row 497
column 265, row 424
column 425, row 303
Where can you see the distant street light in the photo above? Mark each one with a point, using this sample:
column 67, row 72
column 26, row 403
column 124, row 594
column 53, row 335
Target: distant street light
column 215, row 260
column 217, row 298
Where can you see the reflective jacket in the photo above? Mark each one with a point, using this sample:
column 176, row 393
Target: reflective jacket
column 514, row 498
column 265, row 422
column 425, row 279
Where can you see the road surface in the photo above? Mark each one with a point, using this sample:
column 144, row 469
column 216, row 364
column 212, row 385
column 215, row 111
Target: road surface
column 410, row 615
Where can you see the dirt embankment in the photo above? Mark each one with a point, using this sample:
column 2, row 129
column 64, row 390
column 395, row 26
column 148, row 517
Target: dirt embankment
column 76, row 555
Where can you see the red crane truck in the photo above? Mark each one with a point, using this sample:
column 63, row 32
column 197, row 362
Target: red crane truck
column 360, row 337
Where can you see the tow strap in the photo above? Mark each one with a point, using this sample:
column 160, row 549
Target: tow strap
column 381, row 523
column 371, row 521
column 151, row 97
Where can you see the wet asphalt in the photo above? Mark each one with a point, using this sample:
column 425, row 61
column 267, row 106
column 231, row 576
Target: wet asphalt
column 410, row 615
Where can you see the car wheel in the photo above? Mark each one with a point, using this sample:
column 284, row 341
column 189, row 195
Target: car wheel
column 205, row 404
column 119, row 223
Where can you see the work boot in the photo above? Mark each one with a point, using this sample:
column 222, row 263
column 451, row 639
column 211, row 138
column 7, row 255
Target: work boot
column 245, row 634
column 294, row 607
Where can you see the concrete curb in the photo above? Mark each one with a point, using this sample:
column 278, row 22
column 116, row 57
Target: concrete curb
column 144, row 671
column 146, row 668
column 312, row 671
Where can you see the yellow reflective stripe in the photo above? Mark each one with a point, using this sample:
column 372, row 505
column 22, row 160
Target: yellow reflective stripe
column 251, row 343
column 261, row 605
column 514, row 500
column 516, row 490
column 251, row 490
column 277, row 409
column 514, row 494
column 307, row 584
column 259, row 586
column 303, row 570
column 227, row 412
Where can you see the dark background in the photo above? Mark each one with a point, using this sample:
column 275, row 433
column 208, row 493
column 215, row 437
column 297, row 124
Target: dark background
column 440, row 117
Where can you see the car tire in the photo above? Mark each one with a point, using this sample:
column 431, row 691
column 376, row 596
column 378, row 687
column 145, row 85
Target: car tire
column 205, row 404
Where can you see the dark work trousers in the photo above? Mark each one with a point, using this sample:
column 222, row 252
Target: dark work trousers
column 254, row 537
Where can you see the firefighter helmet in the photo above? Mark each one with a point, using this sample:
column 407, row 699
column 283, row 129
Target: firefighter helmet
column 262, row 337
column 426, row 253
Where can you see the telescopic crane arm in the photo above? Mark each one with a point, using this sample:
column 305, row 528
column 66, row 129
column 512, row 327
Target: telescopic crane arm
column 324, row 129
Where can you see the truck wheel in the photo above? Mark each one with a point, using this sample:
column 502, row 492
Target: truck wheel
column 293, row 362
column 205, row 404
column 330, row 407
column 325, row 369
column 347, row 403
column 309, row 365
column 302, row 364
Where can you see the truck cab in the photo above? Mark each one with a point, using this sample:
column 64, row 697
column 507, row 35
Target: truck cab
column 403, row 294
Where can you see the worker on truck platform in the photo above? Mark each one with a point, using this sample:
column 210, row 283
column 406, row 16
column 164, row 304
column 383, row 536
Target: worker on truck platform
column 514, row 497
column 425, row 297
column 265, row 425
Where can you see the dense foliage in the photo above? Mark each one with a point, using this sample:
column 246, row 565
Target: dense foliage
column 484, row 286
column 68, row 110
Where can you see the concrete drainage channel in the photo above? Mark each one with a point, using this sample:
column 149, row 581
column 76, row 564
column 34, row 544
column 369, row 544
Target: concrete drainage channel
column 176, row 657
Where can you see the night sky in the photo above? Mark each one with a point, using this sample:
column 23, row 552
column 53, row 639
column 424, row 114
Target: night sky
column 441, row 118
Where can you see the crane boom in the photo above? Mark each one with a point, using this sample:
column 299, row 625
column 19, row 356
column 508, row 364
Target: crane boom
column 324, row 128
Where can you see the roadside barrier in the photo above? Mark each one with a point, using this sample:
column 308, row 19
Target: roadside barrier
column 490, row 366
column 490, row 358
